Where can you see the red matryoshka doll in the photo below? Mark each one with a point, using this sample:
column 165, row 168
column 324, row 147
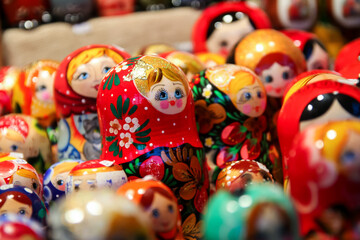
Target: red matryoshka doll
column 33, row 92
column 229, row 104
column 22, row 133
column 161, row 207
column 222, row 25
column 55, row 179
column 95, row 174
column 237, row 175
column 189, row 63
column 211, row 59
column 147, row 122
column 315, row 53
column 21, row 201
column 293, row 14
column 346, row 15
column 347, row 61
column 100, row 215
column 25, row 14
column 15, row 227
column 324, row 167
column 317, row 101
column 8, row 79
column 19, row 172
column 76, row 85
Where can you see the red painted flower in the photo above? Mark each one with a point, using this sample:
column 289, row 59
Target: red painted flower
column 250, row 149
column 153, row 166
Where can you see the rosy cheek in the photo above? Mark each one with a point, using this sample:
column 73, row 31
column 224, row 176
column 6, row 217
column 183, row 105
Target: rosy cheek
column 45, row 96
column 179, row 103
column 246, row 108
column 164, row 104
column 263, row 104
column 268, row 88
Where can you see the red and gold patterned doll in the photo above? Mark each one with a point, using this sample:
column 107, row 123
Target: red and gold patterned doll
column 8, row 79
column 222, row 25
column 147, row 123
column 324, row 166
column 76, row 85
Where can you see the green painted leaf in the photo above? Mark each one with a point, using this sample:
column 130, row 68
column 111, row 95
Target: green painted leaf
column 110, row 82
column 219, row 95
column 121, row 153
column 114, row 146
column 131, row 166
column 202, row 81
column 110, row 138
column 116, row 152
column 144, row 139
column 142, row 126
column 113, row 110
column 132, row 110
column 143, row 133
column 128, row 171
column 119, row 106
column 137, row 163
column 106, row 82
column 139, row 146
column 126, row 105
column 117, row 80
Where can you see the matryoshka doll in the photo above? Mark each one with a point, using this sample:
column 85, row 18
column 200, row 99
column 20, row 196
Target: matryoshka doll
column 277, row 61
column 189, row 63
column 222, row 25
column 324, row 166
column 19, row 172
column 55, row 179
column 93, row 174
column 155, row 49
column 211, row 59
column 147, row 121
column 315, row 53
column 15, row 227
column 293, row 14
column 229, row 104
column 33, row 92
column 8, row 79
column 98, row 215
column 261, row 211
column 76, row 85
column 317, row 100
column 237, row 175
column 21, row 201
column 23, row 134
column 160, row 206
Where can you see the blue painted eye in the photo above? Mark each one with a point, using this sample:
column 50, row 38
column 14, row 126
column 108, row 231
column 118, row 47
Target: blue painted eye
column 247, row 96
column 22, row 212
column 163, row 95
column 155, row 213
column 286, row 75
column 348, row 158
column 260, row 94
column 83, row 76
column 60, row 182
column 14, row 147
column 178, row 93
column 171, row 208
column 268, row 79
column 106, row 69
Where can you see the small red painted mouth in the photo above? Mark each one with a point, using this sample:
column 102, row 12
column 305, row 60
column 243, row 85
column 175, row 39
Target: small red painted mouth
column 172, row 102
column 278, row 90
column 97, row 87
column 165, row 225
column 257, row 108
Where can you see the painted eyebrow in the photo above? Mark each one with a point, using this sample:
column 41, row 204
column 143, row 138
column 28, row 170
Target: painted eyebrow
column 160, row 84
column 177, row 83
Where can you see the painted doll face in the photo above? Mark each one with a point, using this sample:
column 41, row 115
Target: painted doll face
column 44, row 87
column 251, row 100
column 87, row 77
column 319, row 59
column 15, row 207
column 31, row 183
column 162, row 213
column 276, row 78
column 167, row 96
column 224, row 38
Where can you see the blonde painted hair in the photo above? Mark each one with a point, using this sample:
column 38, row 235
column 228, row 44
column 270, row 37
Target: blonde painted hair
column 241, row 80
column 13, row 135
column 334, row 136
column 155, row 76
column 25, row 173
column 66, row 167
column 87, row 55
